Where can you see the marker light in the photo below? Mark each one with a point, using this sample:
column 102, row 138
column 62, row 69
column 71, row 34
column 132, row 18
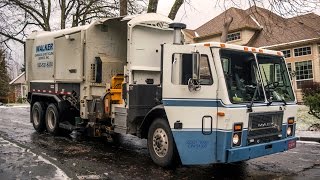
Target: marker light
column 291, row 120
column 220, row 113
column 279, row 53
column 237, row 127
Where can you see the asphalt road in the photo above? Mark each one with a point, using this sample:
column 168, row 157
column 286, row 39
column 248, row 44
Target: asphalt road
column 25, row 154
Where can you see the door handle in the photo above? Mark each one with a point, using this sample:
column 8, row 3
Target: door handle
column 205, row 120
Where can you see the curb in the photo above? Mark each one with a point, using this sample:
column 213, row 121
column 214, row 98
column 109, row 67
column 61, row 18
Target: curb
column 314, row 139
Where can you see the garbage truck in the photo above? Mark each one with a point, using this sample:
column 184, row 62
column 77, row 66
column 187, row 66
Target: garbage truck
column 201, row 103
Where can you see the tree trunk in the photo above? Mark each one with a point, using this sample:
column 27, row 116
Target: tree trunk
column 152, row 6
column 225, row 30
column 123, row 7
column 175, row 8
column 63, row 13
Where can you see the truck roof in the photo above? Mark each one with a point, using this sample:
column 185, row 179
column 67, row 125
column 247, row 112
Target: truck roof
column 238, row 47
column 149, row 19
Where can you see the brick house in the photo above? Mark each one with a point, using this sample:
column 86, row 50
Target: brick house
column 297, row 37
column 19, row 87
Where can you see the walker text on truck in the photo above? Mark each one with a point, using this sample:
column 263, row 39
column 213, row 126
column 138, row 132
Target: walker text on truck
column 198, row 103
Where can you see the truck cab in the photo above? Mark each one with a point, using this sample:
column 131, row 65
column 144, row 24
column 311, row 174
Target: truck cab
column 227, row 103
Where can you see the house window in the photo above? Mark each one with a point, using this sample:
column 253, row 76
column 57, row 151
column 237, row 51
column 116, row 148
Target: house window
column 287, row 53
column 289, row 69
column 302, row 51
column 303, row 73
column 233, row 36
column 278, row 73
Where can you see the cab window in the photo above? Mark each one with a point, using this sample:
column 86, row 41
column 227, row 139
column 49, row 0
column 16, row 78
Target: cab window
column 182, row 69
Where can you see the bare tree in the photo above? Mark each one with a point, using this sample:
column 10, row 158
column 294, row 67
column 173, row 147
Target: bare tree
column 225, row 30
column 123, row 7
column 86, row 10
column 153, row 6
column 175, row 8
column 66, row 7
column 17, row 17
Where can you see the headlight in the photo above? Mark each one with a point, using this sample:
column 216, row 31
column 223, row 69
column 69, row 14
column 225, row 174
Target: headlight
column 237, row 132
column 236, row 139
column 289, row 131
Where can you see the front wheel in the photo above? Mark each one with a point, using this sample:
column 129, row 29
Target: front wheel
column 160, row 143
column 52, row 119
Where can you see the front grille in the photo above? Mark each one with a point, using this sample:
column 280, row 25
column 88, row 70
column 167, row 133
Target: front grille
column 264, row 127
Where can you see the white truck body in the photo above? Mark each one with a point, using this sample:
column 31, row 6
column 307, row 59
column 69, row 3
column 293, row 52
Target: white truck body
column 73, row 69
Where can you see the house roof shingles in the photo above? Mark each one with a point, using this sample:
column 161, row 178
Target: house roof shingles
column 215, row 26
column 271, row 28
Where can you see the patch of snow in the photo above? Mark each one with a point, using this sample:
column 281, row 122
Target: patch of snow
column 15, row 106
column 89, row 177
column 305, row 120
column 59, row 173
column 309, row 142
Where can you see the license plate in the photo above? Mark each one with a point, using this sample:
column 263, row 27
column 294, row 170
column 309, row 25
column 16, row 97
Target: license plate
column 291, row 144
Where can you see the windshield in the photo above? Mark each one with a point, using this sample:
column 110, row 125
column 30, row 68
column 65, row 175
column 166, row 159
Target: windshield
column 245, row 83
column 241, row 75
column 275, row 78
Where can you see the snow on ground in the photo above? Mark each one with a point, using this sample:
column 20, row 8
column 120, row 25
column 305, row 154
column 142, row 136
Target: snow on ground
column 305, row 120
column 18, row 162
column 14, row 105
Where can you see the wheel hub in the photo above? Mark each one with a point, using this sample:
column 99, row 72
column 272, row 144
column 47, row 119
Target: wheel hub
column 160, row 142
column 51, row 119
column 35, row 117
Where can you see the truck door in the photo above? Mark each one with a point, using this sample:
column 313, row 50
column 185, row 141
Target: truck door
column 195, row 110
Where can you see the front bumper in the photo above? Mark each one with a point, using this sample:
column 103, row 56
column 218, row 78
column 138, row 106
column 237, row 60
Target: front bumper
column 258, row 150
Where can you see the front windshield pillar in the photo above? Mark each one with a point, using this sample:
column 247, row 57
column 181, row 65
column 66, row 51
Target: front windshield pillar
column 260, row 80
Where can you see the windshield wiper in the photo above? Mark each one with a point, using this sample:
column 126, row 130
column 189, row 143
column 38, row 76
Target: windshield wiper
column 249, row 106
column 284, row 101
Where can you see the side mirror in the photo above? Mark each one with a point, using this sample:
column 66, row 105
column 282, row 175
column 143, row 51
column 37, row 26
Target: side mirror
column 194, row 82
column 195, row 66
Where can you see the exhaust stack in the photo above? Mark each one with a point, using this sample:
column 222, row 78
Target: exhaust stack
column 177, row 35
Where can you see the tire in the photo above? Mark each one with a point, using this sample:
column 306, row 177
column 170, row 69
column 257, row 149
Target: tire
column 160, row 143
column 38, row 116
column 52, row 119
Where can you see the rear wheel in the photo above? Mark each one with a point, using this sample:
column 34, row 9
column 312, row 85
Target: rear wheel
column 37, row 116
column 52, row 119
column 160, row 143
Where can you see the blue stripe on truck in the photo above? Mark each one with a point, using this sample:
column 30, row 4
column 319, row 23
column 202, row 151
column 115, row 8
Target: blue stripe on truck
column 196, row 148
column 212, row 103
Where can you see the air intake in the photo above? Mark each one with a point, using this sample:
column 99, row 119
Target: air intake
column 177, row 36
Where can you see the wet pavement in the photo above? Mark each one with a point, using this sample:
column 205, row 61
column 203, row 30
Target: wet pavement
column 25, row 154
